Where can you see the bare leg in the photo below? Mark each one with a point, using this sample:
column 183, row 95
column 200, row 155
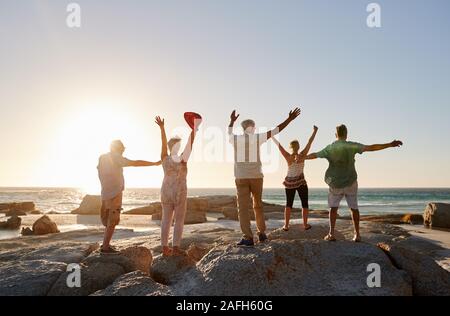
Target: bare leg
column 333, row 216
column 305, row 212
column 109, row 231
column 287, row 217
column 355, row 219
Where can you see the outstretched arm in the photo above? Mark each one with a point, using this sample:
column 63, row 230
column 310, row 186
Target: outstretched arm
column 292, row 116
column 283, row 151
column 305, row 151
column 311, row 156
column 160, row 123
column 143, row 163
column 188, row 149
column 378, row 147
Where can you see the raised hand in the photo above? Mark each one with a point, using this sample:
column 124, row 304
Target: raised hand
column 396, row 143
column 315, row 128
column 233, row 116
column 294, row 114
column 159, row 121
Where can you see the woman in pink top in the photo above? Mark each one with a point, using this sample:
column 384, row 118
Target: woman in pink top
column 174, row 188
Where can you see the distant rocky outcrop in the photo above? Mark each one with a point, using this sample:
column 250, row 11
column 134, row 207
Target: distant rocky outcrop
column 20, row 206
column 15, row 213
column 413, row 219
column 90, row 205
column 43, row 226
column 14, row 222
column 437, row 215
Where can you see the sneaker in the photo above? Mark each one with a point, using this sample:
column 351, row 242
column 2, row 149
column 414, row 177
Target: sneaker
column 246, row 243
column 109, row 251
column 262, row 237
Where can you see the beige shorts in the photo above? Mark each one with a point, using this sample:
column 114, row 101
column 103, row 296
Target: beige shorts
column 350, row 193
column 110, row 212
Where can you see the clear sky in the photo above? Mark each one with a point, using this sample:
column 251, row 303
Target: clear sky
column 65, row 93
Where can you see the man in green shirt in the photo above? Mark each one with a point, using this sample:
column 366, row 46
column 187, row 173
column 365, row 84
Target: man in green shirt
column 341, row 175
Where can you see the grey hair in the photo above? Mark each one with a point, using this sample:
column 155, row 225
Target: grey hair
column 247, row 123
column 173, row 141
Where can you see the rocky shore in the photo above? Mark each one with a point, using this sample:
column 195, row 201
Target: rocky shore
column 413, row 260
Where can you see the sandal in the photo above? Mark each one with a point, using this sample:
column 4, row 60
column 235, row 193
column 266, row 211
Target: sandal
column 307, row 227
column 357, row 238
column 329, row 237
column 286, row 229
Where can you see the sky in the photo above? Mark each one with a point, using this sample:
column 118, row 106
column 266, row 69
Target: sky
column 65, row 93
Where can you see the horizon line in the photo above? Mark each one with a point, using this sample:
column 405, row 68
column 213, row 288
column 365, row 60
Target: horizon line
column 209, row 188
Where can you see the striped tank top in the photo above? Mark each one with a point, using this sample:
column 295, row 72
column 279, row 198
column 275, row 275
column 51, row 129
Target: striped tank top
column 295, row 177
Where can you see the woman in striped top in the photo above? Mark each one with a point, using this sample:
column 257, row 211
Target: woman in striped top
column 295, row 179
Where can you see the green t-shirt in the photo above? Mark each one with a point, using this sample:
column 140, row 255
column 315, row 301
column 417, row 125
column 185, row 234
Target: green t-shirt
column 341, row 172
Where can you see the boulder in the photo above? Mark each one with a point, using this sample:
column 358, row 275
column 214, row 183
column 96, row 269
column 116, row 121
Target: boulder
column 94, row 277
column 153, row 208
column 44, row 226
column 192, row 217
column 413, row 219
column 90, row 205
column 437, row 215
column 134, row 284
column 26, row 231
column 140, row 256
column 218, row 202
column 21, row 206
column 167, row 270
column 36, row 212
column 232, row 213
column 197, row 251
column 428, row 278
column 14, row 222
column 293, row 267
column 198, row 204
column 15, row 213
column 29, row 278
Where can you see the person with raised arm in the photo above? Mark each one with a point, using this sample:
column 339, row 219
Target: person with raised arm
column 341, row 175
column 248, row 173
column 174, row 187
column 295, row 181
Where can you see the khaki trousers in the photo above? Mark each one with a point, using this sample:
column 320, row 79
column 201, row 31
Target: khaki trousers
column 248, row 189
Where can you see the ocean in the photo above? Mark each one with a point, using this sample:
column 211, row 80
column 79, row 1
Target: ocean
column 371, row 201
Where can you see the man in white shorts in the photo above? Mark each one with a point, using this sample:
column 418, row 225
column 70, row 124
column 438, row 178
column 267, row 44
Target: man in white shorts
column 341, row 175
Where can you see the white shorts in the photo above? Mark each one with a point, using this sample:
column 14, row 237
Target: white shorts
column 335, row 196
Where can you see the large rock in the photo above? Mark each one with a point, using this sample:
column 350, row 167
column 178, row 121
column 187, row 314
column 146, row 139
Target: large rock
column 429, row 279
column 153, row 208
column 412, row 219
column 29, row 278
column 21, row 206
column 90, row 205
column 140, row 256
column 218, row 202
column 15, row 213
column 437, row 215
column 44, row 226
column 11, row 223
column 167, row 270
column 192, row 217
column 94, row 277
column 293, row 267
column 134, row 284
column 197, row 251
